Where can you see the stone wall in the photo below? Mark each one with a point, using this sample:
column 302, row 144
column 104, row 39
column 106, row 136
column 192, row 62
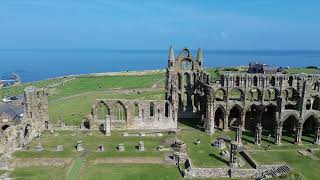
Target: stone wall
column 33, row 122
column 133, row 114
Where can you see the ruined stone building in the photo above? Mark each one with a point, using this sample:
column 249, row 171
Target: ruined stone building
column 271, row 103
column 18, row 131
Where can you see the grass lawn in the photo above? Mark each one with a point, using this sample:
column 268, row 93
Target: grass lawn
column 50, row 142
column 84, row 84
column 303, row 70
column 131, row 171
column 40, row 173
column 304, row 165
column 202, row 155
column 76, row 166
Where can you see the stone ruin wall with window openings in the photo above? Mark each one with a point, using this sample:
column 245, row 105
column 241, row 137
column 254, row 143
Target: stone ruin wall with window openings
column 278, row 102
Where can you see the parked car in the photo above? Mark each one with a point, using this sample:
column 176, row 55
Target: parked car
column 13, row 98
column 6, row 100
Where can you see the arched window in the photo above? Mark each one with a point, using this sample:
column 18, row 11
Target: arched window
column 255, row 81
column 316, row 103
column 237, row 81
column 151, row 109
column 186, row 65
column 136, row 110
column 186, row 79
column 235, row 94
column 118, row 111
column 273, row 81
column 102, row 110
column 166, row 109
column 290, row 81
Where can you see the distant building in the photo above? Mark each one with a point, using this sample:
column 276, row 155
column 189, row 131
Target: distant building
column 256, row 67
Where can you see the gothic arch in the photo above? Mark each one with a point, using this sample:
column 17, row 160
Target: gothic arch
column 119, row 111
column 236, row 94
column 254, row 94
column 235, row 116
column 316, row 103
column 220, row 94
column 219, row 117
column 101, row 110
column 289, row 127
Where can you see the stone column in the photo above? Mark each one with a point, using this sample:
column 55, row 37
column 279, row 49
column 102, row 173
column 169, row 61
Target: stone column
column 233, row 154
column 258, row 134
column 239, row 135
column 278, row 134
column 225, row 122
column 298, row 134
column 210, row 117
column 317, row 136
column 107, row 126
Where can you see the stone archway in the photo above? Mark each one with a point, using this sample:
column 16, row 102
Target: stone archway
column 219, row 117
column 251, row 119
column 119, row 112
column 102, row 110
column 234, row 118
column 268, row 120
column 310, row 125
column 289, row 128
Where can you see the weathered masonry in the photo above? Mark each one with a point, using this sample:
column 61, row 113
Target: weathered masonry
column 273, row 103
column 35, row 119
column 262, row 103
column 133, row 114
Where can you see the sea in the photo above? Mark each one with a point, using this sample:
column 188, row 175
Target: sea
column 34, row 65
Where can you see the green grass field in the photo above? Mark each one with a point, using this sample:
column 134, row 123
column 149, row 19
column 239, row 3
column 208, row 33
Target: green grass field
column 132, row 172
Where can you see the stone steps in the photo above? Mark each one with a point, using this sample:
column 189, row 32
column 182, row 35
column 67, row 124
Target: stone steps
column 283, row 169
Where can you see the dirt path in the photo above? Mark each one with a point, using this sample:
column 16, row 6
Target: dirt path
column 129, row 160
column 55, row 162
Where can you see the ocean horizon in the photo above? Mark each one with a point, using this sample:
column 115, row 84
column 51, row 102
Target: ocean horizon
column 39, row 64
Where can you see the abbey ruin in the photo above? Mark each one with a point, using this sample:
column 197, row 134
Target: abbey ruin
column 254, row 102
column 35, row 119
column 270, row 103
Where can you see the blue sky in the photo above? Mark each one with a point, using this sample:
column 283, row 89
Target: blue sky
column 146, row 24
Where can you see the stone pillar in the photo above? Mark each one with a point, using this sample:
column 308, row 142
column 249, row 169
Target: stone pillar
column 317, row 136
column 239, row 135
column 278, row 134
column 210, row 116
column 233, row 154
column 258, row 134
column 298, row 134
column 225, row 122
column 107, row 126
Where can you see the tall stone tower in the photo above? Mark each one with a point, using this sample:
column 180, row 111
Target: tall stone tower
column 36, row 108
column 181, row 79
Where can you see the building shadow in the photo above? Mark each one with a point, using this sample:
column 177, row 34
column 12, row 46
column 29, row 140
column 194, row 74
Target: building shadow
column 192, row 122
column 247, row 134
column 218, row 158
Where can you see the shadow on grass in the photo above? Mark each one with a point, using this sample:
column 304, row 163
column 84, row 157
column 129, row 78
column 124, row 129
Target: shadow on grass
column 288, row 134
column 308, row 137
column 248, row 134
column 219, row 158
column 192, row 122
